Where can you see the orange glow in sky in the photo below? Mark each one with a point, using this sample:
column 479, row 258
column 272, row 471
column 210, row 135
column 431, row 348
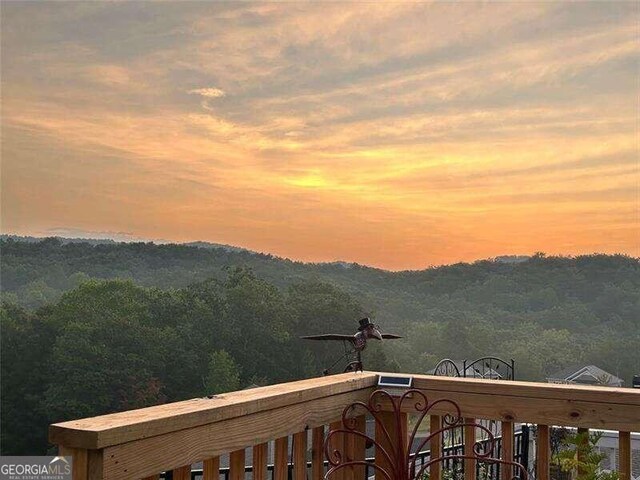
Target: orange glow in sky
column 389, row 134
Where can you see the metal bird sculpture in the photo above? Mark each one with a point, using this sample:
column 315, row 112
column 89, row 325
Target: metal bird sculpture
column 355, row 344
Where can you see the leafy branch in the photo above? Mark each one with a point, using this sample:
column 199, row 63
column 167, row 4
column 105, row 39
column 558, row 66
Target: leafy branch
column 580, row 457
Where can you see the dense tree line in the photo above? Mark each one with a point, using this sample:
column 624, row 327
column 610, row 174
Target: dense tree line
column 95, row 328
column 108, row 346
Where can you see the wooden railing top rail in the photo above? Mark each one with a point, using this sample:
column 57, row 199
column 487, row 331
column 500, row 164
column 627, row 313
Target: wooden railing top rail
column 117, row 428
column 550, row 404
column 529, row 389
column 543, row 403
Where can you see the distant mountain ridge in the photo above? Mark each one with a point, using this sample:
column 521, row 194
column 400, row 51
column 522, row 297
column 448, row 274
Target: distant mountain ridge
column 64, row 240
column 212, row 245
column 512, row 258
column 195, row 244
column 229, row 248
column 37, row 271
column 110, row 241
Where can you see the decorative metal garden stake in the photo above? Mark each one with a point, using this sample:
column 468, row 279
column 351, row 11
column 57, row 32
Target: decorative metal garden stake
column 400, row 462
column 357, row 343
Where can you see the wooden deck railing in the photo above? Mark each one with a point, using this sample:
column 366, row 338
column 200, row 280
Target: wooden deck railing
column 141, row 443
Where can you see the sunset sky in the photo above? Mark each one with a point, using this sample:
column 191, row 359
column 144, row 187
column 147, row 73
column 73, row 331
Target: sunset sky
column 398, row 135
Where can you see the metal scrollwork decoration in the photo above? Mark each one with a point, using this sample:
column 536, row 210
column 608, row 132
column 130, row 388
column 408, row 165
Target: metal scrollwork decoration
column 446, row 368
column 492, row 368
column 399, row 462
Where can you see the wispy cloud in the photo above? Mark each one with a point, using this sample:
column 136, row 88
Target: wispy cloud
column 210, row 92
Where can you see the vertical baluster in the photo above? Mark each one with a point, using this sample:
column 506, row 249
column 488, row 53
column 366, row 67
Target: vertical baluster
column 300, row 456
column 281, row 459
column 260, row 461
column 211, row 468
column 182, row 473
column 337, row 443
column 624, row 448
column 398, row 434
column 469, row 443
column 506, row 471
column 236, row 465
column 317, row 453
column 543, row 453
column 624, row 454
column 355, row 450
column 435, row 447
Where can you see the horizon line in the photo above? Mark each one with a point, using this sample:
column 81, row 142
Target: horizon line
column 214, row 245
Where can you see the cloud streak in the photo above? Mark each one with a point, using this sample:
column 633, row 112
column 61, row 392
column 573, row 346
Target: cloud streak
column 209, row 92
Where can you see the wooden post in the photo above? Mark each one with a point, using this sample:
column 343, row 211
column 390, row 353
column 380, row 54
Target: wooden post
column 435, row 446
column 506, row 471
column 95, row 465
column 211, row 468
column 398, row 434
column 281, row 459
column 87, row 464
column 260, row 461
column 300, row 456
column 79, row 467
column 317, row 453
column 80, row 464
column 543, row 453
column 469, row 443
column 624, row 448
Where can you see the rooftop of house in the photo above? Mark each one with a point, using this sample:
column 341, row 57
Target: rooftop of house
column 591, row 374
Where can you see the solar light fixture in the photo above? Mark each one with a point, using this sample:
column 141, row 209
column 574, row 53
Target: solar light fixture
column 395, row 385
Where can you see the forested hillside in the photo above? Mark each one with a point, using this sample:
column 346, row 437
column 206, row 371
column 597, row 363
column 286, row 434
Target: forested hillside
column 95, row 328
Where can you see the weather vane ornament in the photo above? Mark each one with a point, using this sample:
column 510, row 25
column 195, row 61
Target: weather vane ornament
column 354, row 344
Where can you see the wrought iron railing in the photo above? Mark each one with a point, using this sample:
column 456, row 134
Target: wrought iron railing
column 489, row 368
